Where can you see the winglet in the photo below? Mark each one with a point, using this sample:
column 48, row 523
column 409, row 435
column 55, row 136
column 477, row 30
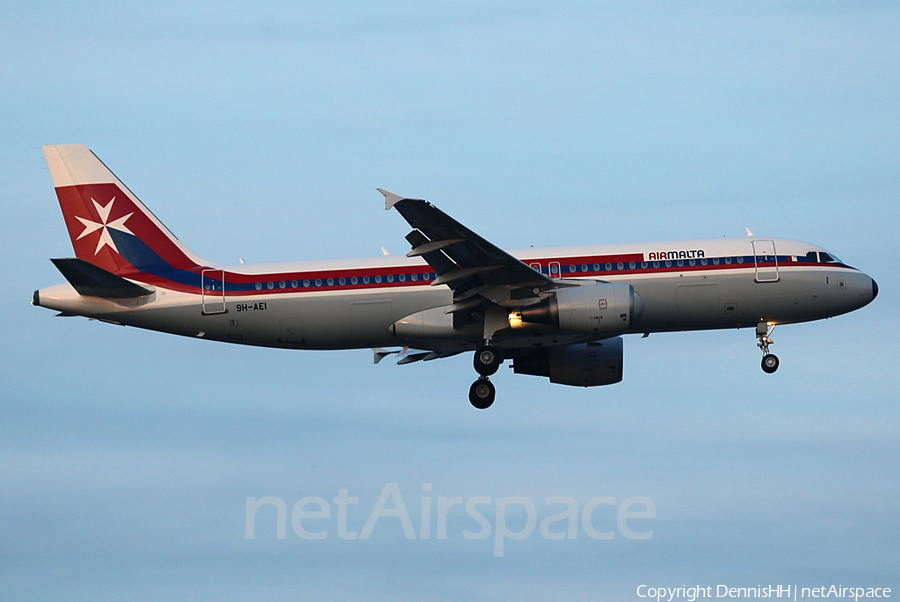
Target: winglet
column 749, row 233
column 390, row 199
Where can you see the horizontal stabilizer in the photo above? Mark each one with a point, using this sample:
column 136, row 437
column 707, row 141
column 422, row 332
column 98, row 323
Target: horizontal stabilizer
column 91, row 281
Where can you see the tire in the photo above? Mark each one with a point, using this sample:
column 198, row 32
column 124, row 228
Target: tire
column 487, row 360
column 482, row 393
column 770, row 363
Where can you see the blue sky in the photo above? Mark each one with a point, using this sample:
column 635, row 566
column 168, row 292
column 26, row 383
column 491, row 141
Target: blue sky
column 127, row 457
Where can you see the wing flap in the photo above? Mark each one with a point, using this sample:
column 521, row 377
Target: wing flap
column 465, row 273
column 431, row 246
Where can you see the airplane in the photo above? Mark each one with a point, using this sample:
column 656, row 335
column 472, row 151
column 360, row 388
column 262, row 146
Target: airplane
column 559, row 313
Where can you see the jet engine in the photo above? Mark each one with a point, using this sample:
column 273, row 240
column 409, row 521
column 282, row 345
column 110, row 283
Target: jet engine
column 585, row 365
column 609, row 308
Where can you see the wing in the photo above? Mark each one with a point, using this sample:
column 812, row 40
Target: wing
column 476, row 270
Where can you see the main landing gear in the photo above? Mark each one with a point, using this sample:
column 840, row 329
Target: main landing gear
column 482, row 392
column 770, row 361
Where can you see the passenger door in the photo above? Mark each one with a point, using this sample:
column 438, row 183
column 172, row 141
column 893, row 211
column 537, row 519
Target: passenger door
column 766, row 260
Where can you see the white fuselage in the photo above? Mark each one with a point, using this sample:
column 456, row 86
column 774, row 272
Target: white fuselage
column 341, row 304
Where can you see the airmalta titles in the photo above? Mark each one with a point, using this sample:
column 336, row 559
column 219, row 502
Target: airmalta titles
column 692, row 254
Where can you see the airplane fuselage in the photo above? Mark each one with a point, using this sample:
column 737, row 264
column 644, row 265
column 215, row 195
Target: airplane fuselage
column 341, row 304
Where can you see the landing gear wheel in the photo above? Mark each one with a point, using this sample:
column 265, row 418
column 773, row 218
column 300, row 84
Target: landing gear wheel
column 481, row 393
column 770, row 363
column 487, row 360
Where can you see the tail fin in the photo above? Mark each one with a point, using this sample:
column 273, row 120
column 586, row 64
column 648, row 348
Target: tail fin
column 109, row 227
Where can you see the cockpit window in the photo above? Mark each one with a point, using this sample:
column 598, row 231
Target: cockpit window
column 821, row 257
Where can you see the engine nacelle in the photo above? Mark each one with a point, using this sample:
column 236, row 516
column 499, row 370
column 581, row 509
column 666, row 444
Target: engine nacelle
column 586, row 365
column 603, row 309
column 432, row 324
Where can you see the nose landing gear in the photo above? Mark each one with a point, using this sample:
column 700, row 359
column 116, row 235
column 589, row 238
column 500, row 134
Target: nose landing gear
column 482, row 392
column 770, row 361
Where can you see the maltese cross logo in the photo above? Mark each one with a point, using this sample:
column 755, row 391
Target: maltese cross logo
column 105, row 224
